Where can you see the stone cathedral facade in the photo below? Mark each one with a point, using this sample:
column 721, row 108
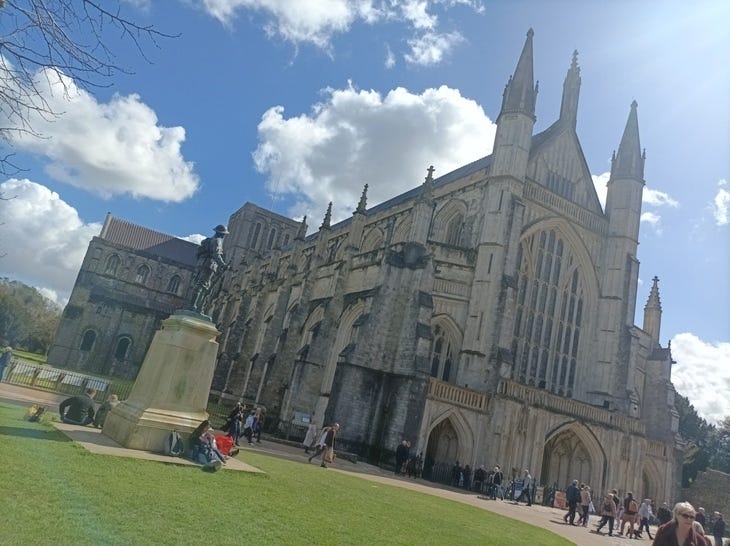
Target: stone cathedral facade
column 487, row 315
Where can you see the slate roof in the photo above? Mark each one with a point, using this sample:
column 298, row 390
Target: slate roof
column 138, row 237
column 411, row 194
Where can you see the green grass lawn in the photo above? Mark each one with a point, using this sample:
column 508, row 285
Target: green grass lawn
column 32, row 357
column 55, row 492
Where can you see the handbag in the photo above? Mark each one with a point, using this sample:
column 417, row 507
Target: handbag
column 591, row 508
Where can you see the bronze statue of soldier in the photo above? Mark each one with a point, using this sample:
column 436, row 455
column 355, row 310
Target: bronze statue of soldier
column 210, row 263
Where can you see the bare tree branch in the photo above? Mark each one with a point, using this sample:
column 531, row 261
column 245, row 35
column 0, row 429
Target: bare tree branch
column 63, row 38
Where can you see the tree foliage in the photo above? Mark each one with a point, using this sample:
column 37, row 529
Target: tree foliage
column 67, row 37
column 701, row 438
column 28, row 320
column 721, row 457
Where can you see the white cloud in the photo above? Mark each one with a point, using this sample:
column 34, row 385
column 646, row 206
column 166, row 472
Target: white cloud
column 53, row 296
column 416, row 12
column 43, row 238
column 431, row 47
column 721, row 204
column 106, row 148
column 651, row 197
column 358, row 137
column 659, row 198
column 653, row 219
column 389, row 58
column 196, row 238
column 702, row 374
column 317, row 21
column 599, row 182
column 313, row 21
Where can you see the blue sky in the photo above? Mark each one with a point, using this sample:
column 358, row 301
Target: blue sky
column 291, row 104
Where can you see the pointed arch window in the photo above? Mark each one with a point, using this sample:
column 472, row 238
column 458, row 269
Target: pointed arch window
column 549, row 314
column 143, row 273
column 255, row 235
column 112, row 265
column 373, row 240
column 272, row 239
column 87, row 341
column 454, row 230
column 442, row 355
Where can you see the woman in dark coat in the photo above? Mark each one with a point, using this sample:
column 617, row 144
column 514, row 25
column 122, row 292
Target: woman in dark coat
column 680, row 531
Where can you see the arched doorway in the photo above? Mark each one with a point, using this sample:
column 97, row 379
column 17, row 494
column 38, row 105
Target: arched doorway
column 566, row 457
column 651, row 482
column 442, row 451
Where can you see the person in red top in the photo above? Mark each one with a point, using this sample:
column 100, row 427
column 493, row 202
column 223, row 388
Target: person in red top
column 679, row 531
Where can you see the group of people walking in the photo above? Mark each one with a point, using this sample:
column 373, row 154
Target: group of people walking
column 631, row 517
column 247, row 424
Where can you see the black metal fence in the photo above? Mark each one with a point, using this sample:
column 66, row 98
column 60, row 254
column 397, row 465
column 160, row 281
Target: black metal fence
column 47, row 378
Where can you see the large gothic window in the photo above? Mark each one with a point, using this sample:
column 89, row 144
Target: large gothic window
column 454, row 230
column 549, row 314
column 442, row 355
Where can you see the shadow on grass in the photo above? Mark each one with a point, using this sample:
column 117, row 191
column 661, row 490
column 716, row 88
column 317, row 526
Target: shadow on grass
column 33, row 433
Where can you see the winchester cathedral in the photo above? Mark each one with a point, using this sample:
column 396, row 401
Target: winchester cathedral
column 487, row 315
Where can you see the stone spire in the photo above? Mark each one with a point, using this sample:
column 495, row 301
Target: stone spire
column 571, row 92
column 519, row 93
column 327, row 217
column 653, row 312
column 362, row 205
column 302, row 233
column 629, row 161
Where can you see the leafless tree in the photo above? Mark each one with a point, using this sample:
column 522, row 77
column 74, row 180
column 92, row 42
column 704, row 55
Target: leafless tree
column 68, row 37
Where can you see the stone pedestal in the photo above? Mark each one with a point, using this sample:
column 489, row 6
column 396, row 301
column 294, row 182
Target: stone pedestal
column 171, row 390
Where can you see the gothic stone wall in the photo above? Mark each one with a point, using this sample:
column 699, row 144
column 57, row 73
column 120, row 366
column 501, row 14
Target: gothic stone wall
column 514, row 435
column 114, row 306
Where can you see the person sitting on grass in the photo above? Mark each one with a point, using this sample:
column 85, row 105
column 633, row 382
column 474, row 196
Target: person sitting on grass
column 78, row 410
column 104, row 410
column 204, row 449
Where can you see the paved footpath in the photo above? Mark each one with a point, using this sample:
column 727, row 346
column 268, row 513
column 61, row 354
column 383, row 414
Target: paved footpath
column 541, row 516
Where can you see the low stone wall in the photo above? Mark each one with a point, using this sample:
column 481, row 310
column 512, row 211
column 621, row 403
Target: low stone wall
column 710, row 490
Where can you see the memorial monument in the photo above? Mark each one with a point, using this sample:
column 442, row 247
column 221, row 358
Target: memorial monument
column 171, row 389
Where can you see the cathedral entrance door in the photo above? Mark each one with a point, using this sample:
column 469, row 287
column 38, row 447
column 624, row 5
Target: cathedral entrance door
column 443, row 447
column 566, row 457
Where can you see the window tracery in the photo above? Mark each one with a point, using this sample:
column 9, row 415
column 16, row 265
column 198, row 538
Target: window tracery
column 549, row 314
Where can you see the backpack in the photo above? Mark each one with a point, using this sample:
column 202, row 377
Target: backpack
column 174, row 445
column 633, row 507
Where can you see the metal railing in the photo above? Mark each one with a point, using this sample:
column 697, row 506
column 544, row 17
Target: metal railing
column 61, row 381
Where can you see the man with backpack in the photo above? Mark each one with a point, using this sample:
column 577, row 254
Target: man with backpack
column 631, row 507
